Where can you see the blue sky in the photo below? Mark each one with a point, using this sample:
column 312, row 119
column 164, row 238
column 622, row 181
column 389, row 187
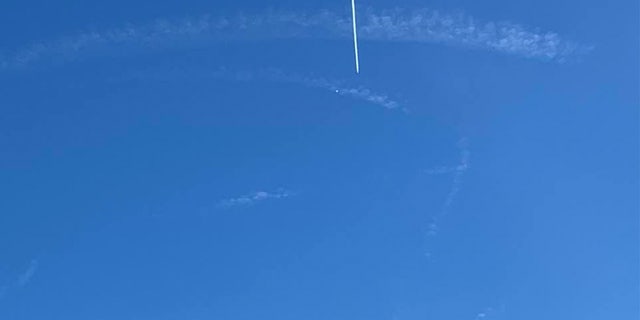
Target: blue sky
column 222, row 160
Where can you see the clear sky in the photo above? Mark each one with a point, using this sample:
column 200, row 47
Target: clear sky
column 187, row 160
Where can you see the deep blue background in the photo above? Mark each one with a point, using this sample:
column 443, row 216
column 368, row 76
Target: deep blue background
column 112, row 166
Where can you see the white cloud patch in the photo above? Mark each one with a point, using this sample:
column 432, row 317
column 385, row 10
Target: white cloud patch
column 253, row 198
column 421, row 25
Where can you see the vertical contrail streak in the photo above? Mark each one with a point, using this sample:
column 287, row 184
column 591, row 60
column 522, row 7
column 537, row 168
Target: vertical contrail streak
column 355, row 34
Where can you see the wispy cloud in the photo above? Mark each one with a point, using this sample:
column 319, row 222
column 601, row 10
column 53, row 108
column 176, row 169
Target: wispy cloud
column 457, row 173
column 21, row 280
column 336, row 86
column 425, row 25
column 491, row 313
column 400, row 25
column 367, row 95
column 253, row 198
column 26, row 276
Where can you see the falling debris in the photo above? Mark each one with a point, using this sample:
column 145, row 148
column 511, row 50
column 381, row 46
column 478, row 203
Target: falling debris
column 355, row 34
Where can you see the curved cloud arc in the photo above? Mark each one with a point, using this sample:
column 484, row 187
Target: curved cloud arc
column 398, row 25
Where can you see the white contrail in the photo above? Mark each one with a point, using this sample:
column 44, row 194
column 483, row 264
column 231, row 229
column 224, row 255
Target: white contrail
column 355, row 34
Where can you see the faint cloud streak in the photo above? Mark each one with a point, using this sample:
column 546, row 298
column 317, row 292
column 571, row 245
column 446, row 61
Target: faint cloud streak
column 21, row 280
column 335, row 86
column 26, row 276
column 457, row 173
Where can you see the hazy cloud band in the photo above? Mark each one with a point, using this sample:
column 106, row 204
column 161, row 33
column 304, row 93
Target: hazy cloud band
column 400, row 25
